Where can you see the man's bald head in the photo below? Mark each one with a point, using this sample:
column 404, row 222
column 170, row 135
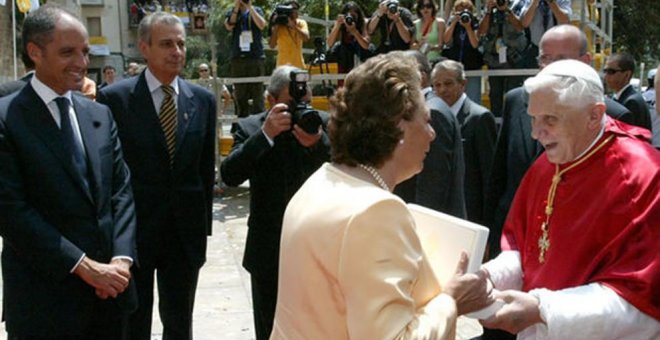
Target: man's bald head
column 563, row 42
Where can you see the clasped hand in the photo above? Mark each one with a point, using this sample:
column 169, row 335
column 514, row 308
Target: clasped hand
column 108, row 279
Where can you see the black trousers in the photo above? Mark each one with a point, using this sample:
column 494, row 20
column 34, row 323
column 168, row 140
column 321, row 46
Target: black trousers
column 177, row 283
column 264, row 300
column 109, row 322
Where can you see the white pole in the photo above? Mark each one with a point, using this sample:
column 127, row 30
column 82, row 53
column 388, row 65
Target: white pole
column 13, row 26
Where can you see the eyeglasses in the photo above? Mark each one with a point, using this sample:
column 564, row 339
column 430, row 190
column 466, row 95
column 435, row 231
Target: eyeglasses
column 611, row 71
column 429, row 6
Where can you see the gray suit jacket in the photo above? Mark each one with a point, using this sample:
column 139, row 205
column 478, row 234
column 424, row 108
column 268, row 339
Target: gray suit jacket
column 439, row 185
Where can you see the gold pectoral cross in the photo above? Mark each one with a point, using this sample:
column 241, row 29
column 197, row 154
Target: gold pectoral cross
column 544, row 242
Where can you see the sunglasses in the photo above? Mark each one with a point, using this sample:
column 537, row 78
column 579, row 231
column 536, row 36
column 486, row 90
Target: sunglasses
column 612, row 71
column 203, row 70
column 429, row 6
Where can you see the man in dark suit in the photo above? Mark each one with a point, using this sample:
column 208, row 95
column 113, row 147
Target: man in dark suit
column 515, row 149
column 15, row 85
column 478, row 132
column 439, row 185
column 277, row 159
column 618, row 70
column 68, row 219
column 167, row 128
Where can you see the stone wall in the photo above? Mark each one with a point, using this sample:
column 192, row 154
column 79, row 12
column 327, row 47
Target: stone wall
column 6, row 44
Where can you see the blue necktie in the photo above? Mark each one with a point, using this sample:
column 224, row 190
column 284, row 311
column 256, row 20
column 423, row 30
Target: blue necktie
column 545, row 11
column 70, row 143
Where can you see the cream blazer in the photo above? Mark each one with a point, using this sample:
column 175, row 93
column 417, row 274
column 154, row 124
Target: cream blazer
column 351, row 267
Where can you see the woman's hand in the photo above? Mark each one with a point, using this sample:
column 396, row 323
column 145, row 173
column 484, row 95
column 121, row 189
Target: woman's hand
column 471, row 291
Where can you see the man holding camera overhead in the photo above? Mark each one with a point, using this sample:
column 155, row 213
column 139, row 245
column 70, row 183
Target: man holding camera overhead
column 539, row 16
column 276, row 150
column 245, row 22
column 287, row 34
column 395, row 24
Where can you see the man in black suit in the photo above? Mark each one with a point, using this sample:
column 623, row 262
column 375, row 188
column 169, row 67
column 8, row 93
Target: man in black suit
column 167, row 128
column 478, row 132
column 439, row 185
column 15, row 85
column 515, row 149
column 277, row 159
column 618, row 70
column 68, row 218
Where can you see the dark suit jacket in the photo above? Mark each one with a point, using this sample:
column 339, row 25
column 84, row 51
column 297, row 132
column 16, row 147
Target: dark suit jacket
column 515, row 151
column 275, row 174
column 168, row 200
column 439, row 185
column 50, row 218
column 479, row 133
column 634, row 101
column 14, row 85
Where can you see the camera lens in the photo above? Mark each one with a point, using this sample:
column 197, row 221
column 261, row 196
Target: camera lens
column 349, row 20
column 466, row 17
column 392, row 8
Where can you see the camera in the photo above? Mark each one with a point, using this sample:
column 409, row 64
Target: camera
column 349, row 20
column 465, row 16
column 319, row 51
column 283, row 13
column 302, row 113
column 501, row 3
column 393, row 6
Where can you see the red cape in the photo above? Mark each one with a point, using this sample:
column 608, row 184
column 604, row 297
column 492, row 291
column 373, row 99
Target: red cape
column 605, row 226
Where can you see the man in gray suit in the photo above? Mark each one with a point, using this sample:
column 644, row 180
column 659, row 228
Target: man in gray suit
column 439, row 185
column 477, row 130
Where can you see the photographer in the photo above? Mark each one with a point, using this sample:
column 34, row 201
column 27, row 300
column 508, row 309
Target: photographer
column 395, row 24
column 287, row 34
column 462, row 44
column 428, row 30
column 348, row 37
column 276, row 155
column 245, row 22
column 505, row 46
column 540, row 15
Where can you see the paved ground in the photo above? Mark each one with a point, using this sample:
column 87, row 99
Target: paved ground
column 223, row 309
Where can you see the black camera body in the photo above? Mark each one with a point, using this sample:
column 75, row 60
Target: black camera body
column 393, row 6
column 302, row 113
column 283, row 13
column 466, row 16
column 349, row 20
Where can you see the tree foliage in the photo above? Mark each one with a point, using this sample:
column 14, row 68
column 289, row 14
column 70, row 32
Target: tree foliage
column 637, row 29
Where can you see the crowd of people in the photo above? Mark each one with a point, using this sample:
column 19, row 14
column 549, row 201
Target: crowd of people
column 106, row 196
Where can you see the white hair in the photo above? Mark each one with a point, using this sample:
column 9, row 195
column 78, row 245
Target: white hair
column 571, row 91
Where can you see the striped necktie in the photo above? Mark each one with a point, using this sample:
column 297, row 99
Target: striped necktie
column 168, row 120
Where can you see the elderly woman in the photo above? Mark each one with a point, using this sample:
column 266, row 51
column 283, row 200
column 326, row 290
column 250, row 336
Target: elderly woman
column 351, row 264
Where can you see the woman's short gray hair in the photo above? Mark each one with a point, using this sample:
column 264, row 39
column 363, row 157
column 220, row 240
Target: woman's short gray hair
column 144, row 30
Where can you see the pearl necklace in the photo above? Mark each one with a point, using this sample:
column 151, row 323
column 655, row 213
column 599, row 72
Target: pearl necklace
column 374, row 173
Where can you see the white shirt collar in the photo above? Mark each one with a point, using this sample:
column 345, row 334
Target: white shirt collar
column 154, row 84
column 618, row 94
column 600, row 134
column 46, row 93
column 458, row 104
